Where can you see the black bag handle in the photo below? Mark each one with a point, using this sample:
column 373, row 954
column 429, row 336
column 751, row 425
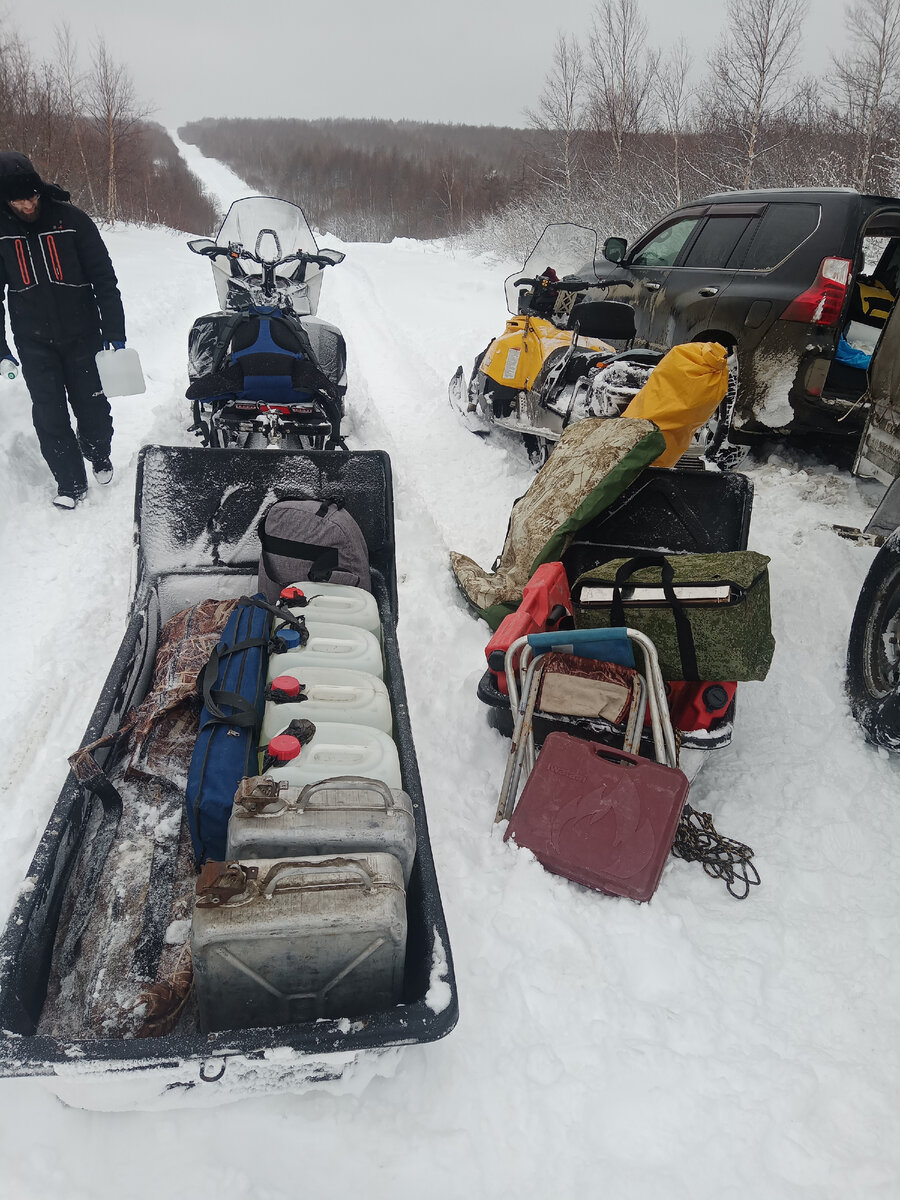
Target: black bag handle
column 686, row 649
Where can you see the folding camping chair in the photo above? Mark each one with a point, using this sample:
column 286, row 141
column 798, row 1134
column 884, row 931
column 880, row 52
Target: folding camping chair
column 603, row 645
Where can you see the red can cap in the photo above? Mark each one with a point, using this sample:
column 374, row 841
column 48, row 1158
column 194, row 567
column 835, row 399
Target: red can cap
column 287, row 685
column 292, row 593
column 284, row 747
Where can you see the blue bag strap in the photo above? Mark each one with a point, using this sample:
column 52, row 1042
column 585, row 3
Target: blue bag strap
column 605, row 645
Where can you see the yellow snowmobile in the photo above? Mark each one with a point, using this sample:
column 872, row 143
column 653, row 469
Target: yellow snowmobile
column 543, row 372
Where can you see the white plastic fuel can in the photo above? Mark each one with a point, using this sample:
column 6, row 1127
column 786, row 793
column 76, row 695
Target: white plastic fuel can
column 334, row 603
column 334, row 749
column 325, row 694
column 327, row 645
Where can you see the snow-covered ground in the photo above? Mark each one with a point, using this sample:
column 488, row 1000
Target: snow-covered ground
column 692, row 1048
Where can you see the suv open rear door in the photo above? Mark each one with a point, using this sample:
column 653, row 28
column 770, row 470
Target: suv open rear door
column 878, row 455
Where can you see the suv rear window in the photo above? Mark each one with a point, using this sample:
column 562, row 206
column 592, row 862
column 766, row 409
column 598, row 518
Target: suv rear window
column 778, row 233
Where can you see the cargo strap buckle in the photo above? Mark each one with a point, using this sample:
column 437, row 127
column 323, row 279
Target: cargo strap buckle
column 259, row 792
column 219, row 882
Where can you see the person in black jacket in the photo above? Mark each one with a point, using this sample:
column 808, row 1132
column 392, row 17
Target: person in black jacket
column 64, row 306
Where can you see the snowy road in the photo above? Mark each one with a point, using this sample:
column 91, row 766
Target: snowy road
column 691, row 1048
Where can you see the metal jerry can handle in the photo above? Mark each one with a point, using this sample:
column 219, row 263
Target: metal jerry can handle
column 287, row 876
column 341, row 783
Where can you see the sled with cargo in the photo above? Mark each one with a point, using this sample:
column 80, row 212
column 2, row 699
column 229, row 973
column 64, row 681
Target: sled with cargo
column 636, row 554
column 196, row 519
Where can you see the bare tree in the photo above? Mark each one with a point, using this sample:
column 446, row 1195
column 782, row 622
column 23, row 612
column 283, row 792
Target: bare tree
column 868, row 76
column 559, row 111
column 114, row 112
column 622, row 73
column 753, row 70
column 71, row 86
column 676, row 96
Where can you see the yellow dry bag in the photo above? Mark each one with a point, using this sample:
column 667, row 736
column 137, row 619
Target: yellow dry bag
column 682, row 394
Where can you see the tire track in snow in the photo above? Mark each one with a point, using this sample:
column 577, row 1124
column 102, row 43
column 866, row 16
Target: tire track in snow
column 460, row 758
column 399, row 341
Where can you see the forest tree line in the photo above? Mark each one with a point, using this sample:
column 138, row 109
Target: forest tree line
column 620, row 133
column 638, row 130
column 373, row 180
column 83, row 127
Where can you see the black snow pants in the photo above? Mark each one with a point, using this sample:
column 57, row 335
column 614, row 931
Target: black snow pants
column 57, row 373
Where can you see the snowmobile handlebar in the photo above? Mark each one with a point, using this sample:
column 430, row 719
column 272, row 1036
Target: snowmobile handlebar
column 210, row 249
column 564, row 285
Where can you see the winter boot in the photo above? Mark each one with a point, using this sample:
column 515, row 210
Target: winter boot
column 68, row 497
column 103, row 470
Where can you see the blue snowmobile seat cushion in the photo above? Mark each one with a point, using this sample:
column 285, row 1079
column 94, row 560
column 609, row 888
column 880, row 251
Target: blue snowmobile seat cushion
column 269, row 362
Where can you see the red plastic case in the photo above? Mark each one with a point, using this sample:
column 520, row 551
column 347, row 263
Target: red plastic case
column 599, row 816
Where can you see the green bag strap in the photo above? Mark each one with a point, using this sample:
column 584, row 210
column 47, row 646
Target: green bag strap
column 686, row 649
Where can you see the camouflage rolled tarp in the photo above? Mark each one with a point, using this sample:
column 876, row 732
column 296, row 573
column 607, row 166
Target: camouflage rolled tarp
column 593, row 463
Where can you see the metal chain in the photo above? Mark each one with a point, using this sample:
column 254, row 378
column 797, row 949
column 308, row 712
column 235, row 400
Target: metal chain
column 698, row 840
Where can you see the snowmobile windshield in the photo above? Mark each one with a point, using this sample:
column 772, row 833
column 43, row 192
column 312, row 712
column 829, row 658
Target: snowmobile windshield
column 271, row 229
column 563, row 252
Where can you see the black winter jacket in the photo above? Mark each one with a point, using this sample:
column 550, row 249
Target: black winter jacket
column 58, row 275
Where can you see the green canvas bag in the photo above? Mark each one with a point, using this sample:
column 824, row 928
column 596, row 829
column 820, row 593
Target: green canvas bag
column 720, row 629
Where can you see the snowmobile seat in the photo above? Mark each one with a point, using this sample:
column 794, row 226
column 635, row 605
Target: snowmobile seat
column 274, row 361
column 608, row 320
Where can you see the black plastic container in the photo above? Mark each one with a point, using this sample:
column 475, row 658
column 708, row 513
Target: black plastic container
column 667, row 509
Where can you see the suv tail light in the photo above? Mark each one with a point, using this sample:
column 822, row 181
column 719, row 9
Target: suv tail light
column 821, row 304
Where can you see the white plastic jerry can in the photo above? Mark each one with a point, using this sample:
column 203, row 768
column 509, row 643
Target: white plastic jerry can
column 335, row 603
column 120, row 372
column 325, row 694
column 333, row 750
column 327, row 645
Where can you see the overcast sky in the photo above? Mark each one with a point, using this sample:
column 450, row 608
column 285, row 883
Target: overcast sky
column 478, row 62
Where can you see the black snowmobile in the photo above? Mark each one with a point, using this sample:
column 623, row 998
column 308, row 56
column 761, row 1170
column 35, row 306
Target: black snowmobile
column 265, row 371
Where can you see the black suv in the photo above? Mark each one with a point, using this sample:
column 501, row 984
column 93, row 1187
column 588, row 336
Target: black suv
column 773, row 275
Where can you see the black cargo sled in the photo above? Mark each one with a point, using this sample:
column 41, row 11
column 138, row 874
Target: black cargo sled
column 196, row 516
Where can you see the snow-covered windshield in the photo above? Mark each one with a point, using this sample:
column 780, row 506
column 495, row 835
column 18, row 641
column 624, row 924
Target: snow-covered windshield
column 284, row 231
column 566, row 249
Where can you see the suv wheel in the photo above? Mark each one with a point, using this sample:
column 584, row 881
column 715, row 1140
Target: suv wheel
column 873, row 652
column 711, row 441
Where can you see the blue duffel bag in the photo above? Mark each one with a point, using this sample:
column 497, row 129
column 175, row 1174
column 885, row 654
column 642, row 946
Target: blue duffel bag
column 232, row 685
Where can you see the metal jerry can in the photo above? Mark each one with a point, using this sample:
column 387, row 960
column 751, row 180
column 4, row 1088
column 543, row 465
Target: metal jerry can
column 276, row 942
column 345, row 815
